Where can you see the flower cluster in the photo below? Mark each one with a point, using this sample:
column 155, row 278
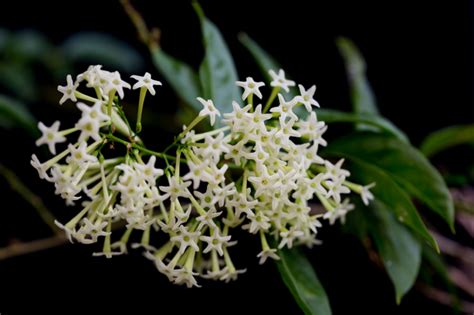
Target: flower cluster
column 258, row 173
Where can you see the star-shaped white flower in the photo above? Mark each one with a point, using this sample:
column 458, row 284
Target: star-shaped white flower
column 79, row 155
column 250, row 87
column 366, row 195
column 116, row 83
column 279, row 80
column 306, row 97
column 145, row 81
column 267, row 253
column 68, row 90
column 50, row 136
column 215, row 241
column 208, row 110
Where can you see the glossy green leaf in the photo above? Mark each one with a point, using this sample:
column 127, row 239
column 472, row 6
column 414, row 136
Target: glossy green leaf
column 103, row 49
column 335, row 116
column 217, row 71
column 399, row 249
column 363, row 100
column 302, row 281
column 405, row 164
column 182, row 78
column 446, row 138
column 14, row 114
column 390, row 194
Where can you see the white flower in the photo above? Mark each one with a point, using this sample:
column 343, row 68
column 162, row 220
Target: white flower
column 50, row 136
column 215, row 242
column 279, row 80
column 257, row 222
column 186, row 239
column 287, row 237
column 89, row 124
column 177, row 188
column 306, row 97
column 229, row 274
column 93, row 75
column 149, row 172
column 208, row 110
column 335, row 171
column 40, row 167
column 69, row 232
column 89, row 232
column 93, row 112
column 185, row 276
column 250, row 87
column 285, row 109
column 68, row 90
column 267, row 253
column 339, row 212
column 145, row 81
column 116, row 83
column 366, row 195
column 79, row 155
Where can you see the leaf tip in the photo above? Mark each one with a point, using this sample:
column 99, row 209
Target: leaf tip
column 197, row 7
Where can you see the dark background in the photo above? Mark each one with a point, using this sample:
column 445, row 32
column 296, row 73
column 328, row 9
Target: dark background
column 419, row 64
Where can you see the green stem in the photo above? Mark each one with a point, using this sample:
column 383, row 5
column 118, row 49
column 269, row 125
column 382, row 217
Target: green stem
column 85, row 97
column 139, row 147
column 271, row 98
column 34, row 200
column 141, row 101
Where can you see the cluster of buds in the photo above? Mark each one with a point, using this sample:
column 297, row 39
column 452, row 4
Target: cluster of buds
column 258, row 172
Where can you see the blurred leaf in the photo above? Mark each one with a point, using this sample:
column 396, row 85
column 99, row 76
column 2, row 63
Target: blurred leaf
column 405, row 164
column 13, row 114
column 182, row 78
column 102, row 49
column 217, row 71
column 335, row 116
column 363, row 100
column 19, row 80
column 390, row 195
column 446, row 138
column 399, row 249
column 4, row 36
column 264, row 61
column 436, row 262
column 302, row 281
column 436, row 271
column 28, row 45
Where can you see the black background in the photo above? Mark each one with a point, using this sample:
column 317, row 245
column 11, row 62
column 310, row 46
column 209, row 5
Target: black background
column 419, row 63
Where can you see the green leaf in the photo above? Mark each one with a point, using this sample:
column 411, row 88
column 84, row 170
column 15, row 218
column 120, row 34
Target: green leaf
column 446, row 138
column 13, row 114
column 103, row 49
column 388, row 193
column 217, row 71
column 399, row 249
column 405, row 164
column 335, row 116
column 363, row 100
column 302, row 281
column 182, row 78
